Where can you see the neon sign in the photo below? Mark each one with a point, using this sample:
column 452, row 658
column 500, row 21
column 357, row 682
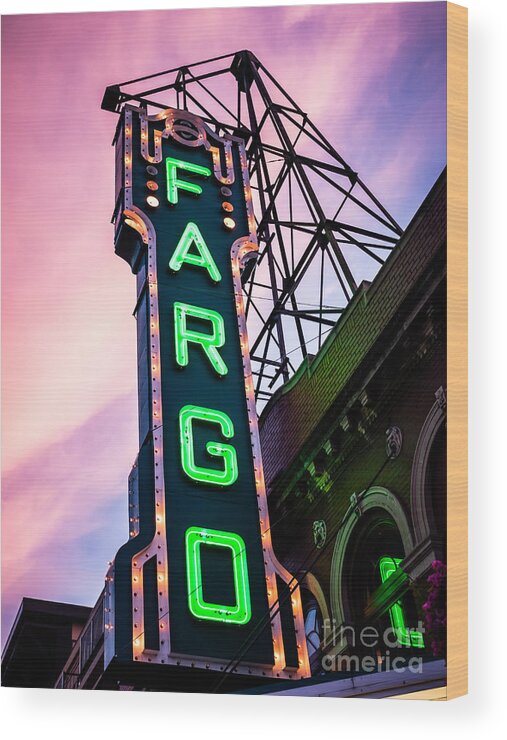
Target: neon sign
column 198, row 578
column 405, row 636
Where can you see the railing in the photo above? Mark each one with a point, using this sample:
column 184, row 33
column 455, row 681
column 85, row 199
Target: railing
column 84, row 649
column 69, row 681
column 91, row 635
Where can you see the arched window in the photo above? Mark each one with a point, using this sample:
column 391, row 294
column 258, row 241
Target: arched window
column 436, row 482
column 375, row 589
column 316, row 618
column 314, row 627
column 429, row 480
column 375, row 536
column 369, row 589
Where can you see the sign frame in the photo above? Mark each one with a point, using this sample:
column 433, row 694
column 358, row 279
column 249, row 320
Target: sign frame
column 242, row 249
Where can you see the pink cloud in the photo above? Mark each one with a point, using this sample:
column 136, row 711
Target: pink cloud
column 64, row 495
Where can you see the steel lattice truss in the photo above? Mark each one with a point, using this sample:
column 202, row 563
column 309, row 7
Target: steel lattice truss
column 321, row 231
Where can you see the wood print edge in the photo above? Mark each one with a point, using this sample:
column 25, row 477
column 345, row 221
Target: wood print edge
column 457, row 437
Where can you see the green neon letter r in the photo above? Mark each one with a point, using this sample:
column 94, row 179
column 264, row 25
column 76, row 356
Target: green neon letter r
column 209, row 342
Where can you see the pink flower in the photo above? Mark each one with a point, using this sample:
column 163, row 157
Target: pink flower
column 434, row 607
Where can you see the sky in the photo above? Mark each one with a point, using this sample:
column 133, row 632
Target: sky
column 372, row 77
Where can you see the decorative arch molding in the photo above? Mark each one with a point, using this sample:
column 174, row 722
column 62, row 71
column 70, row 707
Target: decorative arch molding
column 374, row 498
column 312, row 584
column 422, row 511
column 429, row 544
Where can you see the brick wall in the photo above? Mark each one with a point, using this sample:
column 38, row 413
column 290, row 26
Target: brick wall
column 296, row 410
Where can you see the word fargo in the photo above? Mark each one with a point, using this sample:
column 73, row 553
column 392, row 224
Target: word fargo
column 197, row 585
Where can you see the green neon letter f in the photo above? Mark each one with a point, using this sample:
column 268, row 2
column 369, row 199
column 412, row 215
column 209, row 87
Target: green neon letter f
column 174, row 184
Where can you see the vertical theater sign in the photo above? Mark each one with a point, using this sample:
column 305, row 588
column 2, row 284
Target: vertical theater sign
column 197, row 584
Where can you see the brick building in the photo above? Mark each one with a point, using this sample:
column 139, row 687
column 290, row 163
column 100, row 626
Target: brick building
column 354, row 450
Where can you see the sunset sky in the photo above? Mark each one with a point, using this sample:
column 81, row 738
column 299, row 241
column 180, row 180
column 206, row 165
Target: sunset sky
column 372, row 77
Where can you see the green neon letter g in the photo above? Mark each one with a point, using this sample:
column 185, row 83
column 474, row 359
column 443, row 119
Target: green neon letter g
column 228, row 475
column 209, row 342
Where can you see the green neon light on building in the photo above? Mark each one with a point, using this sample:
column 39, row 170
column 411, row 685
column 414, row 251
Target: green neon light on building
column 241, row 611
column 229, row 474
column 192, row 236
column 405, row 636
column 174, row 183
column 209, row 342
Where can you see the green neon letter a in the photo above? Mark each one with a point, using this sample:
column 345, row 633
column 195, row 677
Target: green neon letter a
column 192, row 235
column 209, row 342
column 229, row 474
column 174, row 184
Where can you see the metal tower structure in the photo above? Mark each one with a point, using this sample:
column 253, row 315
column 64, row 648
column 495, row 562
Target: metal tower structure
column 321, row 231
